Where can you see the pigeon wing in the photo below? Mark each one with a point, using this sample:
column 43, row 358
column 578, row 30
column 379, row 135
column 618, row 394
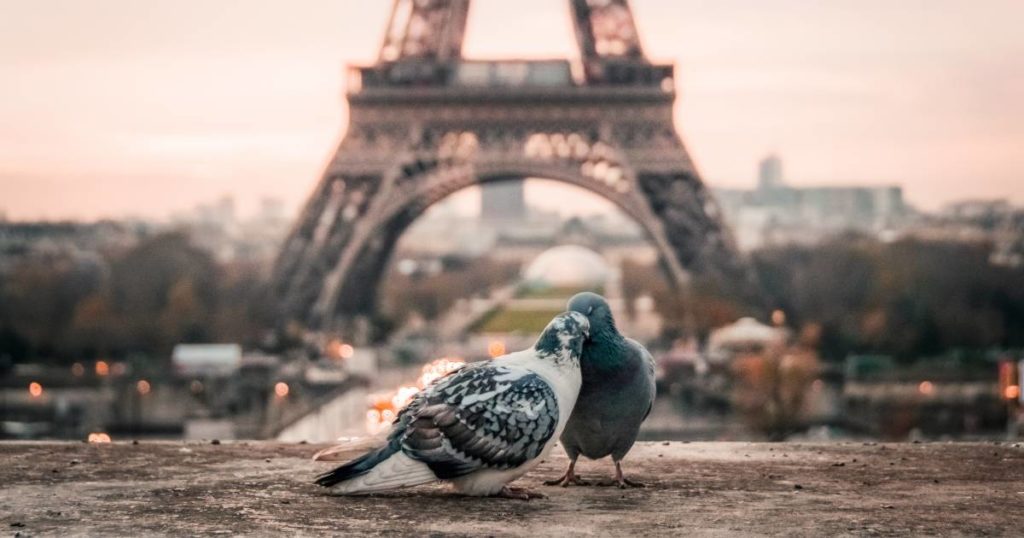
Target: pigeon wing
column 649, row 371
column 484, row 416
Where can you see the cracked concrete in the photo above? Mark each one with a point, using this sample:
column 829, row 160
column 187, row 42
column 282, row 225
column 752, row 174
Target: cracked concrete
column 710, row 489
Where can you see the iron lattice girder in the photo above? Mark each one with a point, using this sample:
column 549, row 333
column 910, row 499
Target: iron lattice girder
column 435, row 29
column 431, row 33
column 430, row 30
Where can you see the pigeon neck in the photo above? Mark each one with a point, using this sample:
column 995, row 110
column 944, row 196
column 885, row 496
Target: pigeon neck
column 607, row 347
column 560, row 348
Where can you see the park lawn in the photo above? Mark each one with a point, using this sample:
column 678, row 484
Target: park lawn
column 508, row 321
column 554, row 292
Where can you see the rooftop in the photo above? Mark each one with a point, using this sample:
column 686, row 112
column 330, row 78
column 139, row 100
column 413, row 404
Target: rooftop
column 720, row 489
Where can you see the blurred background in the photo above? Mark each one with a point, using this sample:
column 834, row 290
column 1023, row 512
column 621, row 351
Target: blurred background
column 866, row 155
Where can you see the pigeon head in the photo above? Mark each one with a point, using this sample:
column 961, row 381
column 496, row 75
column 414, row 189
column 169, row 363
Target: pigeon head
column 597, row 311
column 564, row 336
column 605, row 346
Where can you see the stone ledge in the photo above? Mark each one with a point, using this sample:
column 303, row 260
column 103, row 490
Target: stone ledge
column 722, row 489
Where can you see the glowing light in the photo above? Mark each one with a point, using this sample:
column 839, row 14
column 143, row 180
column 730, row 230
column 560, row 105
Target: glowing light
column 77, row 369
column 102, row 368
column 778, row 317
column 35, row 389
column 437, row 369
column 336, row 349
column 496, row 348
column 281, row 389
column 384, row 407
column 143, row 387
column 926, row 388
column 98, row 438
column 1012, row 392
column 333, row 349
column 403, row 396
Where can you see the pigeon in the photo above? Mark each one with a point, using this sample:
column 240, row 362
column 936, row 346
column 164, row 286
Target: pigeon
column 617, row 394
column 481, row 426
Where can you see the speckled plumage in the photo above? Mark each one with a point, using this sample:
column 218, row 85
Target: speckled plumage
column 617, row 393
column 485, row 416
column 480, row 426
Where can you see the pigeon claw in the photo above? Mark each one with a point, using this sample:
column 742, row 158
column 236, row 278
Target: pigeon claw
column 570, row 477
column 622, row 482
column 521, row 494
column 566, row 480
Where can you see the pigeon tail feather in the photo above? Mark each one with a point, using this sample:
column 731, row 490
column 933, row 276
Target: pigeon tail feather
column 380, row 470
column 356, row 467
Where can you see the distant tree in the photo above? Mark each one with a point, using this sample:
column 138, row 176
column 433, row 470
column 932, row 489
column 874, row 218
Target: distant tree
column 38, row 298
column 96, row 329
column 909, row 299
column 140, row 301
column 693, row 311
column 164, row 291
column 246, row 310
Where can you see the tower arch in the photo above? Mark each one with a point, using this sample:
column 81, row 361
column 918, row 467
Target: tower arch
column 424, row 123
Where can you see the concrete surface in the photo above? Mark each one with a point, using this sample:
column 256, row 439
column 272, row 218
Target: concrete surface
column 709, row 489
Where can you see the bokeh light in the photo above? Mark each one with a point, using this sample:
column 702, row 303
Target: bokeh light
column 496, row 348
column 384, row 407
column 778, row 318
column 99, row 437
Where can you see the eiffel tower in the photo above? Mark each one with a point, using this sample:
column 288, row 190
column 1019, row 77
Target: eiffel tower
column 424, row 123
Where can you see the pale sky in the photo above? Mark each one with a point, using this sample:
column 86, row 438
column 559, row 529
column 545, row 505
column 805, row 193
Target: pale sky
column 112, row 108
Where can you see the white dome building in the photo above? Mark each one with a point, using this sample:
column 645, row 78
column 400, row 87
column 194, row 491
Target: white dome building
column 568, row 266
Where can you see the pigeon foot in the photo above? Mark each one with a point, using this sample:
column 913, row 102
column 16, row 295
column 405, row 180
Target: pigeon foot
column 570, row 477
column 521, row 494
column 622, row 482
column 566, row 480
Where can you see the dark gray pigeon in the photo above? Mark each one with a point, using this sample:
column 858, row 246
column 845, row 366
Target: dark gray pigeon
column 617, row 394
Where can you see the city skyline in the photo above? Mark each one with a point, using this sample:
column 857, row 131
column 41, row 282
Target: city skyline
column 120, row 108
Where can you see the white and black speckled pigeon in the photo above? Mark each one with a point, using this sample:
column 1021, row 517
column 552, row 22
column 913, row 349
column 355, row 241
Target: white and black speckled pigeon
column 617, row 394
column 481, row 426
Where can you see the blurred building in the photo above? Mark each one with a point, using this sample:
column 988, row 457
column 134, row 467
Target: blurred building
column 503, row 202
column 775, row 213
column 71, row 240
column 995, row 223
column 218, row 228
column 770, row 173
